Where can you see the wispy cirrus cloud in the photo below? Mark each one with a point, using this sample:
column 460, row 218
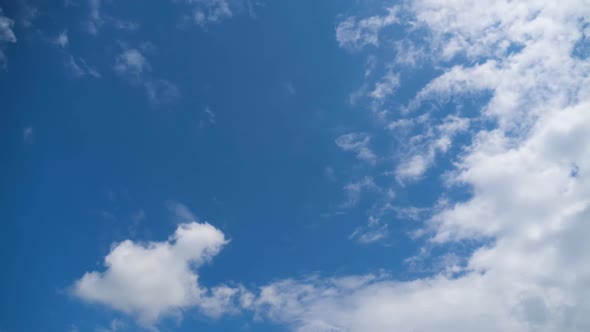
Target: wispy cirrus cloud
column 359, row 144
column 134, row 66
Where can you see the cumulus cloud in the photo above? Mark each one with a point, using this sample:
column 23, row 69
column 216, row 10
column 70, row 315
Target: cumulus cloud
column 157, row 279
column 527, row 171
column 359, row 144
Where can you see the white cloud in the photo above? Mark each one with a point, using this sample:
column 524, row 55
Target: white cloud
column 386, row 87
column 131, row 63
column 359, row 144
column 6, row 33
column 372, row 233
column 62, row 39
column 354, row 34
column 423, row 148
column 97, row 19
column 528, row 174
column 152, row 280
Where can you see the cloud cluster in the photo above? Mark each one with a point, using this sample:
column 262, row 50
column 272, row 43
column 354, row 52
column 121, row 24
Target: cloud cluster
column 528, row 175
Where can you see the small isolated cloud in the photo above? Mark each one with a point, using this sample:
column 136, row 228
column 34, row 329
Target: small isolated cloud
column 354, row 34
column 62, row 39
column 153, row 280
column 359, row 144
column 79, row 68
column 161, row 91
column 28, row 134
column 290, row 88
column 131, row 63
column 209, row 118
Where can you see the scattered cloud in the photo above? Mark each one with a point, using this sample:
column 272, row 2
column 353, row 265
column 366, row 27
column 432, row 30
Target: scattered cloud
column 97, row 19
column 210, row 118
column 205, row 12
column 134, row 66
column 386, row 87
column 372, row 233
column 359, row 144
column 79, row 68
column 131, row 63
column 161, row 91
column 423, row 148
column 62, row 39
column 355, row 189
column 355, row 34
column 6, row 36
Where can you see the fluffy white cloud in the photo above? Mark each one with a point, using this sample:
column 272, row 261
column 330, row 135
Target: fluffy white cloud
column 528, row 170
column 359, row 144
column 157, row 279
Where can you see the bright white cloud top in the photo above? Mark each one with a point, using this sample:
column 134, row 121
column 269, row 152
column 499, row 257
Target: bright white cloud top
column 156, row 279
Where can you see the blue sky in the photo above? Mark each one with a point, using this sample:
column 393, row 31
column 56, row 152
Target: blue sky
column 225, row 165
